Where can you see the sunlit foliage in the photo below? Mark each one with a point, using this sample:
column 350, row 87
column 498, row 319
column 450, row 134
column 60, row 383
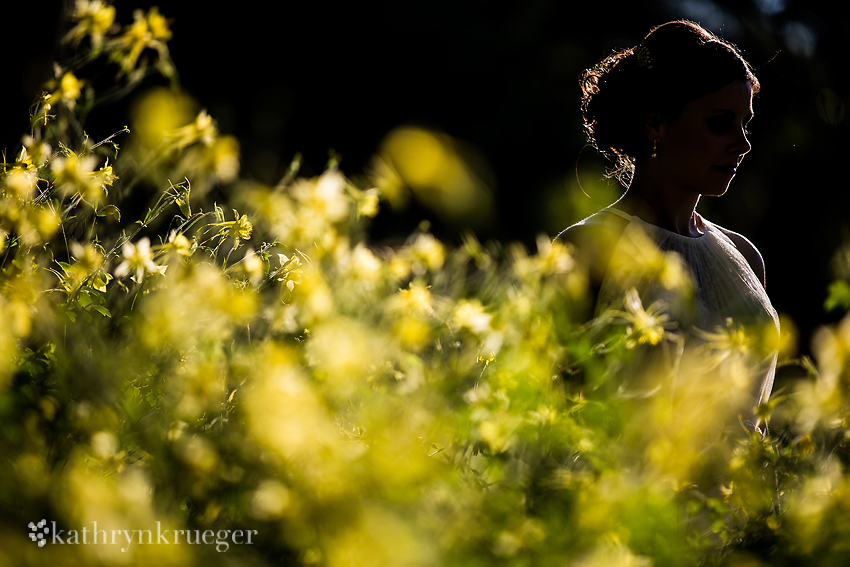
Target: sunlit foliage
column 256, row 365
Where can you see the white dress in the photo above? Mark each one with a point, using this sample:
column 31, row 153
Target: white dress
column 723, row 287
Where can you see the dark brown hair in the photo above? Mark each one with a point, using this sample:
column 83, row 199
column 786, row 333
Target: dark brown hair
column 675, row 63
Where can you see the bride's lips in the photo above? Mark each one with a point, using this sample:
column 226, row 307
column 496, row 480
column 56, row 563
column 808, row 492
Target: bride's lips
column 727, row 169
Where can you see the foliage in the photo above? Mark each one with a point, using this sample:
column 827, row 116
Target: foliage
column 354, row 405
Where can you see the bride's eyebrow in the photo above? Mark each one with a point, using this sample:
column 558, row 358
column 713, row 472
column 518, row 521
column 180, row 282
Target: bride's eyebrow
column 747, row 117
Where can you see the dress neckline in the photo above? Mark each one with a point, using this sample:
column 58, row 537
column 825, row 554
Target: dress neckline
column 624, row 215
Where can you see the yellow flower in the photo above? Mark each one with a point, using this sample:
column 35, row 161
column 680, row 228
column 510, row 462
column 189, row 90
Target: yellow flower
column 67, row 91
column 75, row 174
column 367, row 203
column 471, row 315
column 178, row 243
column 87, row 266
column 147, row 31
column 240, row 228
column 138, row 260
column 203, row 129
column 87, row 258
column 725, row 343
column 70, row 86
column 158, row 25
column 428, row 253
column 37, row 152
column 253, row 266
column 94, row 19
column 416, row 299
column 104, row 176
column 225, row 158
column 289, row 271
column 325, row 197
column 553, row 257
column 646, row 326
column 22, row 176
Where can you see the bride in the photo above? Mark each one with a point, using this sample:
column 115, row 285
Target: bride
column 672, row 114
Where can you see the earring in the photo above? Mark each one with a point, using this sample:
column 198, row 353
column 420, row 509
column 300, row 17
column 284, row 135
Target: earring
column 654, row 148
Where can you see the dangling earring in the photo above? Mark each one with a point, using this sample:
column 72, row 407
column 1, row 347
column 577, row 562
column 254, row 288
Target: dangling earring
column 654, row 148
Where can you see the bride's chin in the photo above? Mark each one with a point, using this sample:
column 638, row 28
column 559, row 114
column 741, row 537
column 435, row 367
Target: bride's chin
column 715, row 192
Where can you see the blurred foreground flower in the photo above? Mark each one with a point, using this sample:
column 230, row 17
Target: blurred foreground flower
column 138, row 261
column 442, row 174
column 148, row 31
column 75, row 175
column 94, row 18
column 645, row 326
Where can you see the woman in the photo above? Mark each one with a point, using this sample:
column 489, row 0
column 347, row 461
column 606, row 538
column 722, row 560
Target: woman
column 672, row 114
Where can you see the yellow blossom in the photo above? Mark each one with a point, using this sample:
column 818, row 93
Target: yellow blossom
column 22, row 176
column 70, row 87
column 203, row 130
column 225, row 158
column 147, row 31
column 37, row 152
column 86, row 268
column 367, row 203
column 725, row 342
column 138, row 260
column 104, row 176
column 67, row 91
column 470, row 314
column 325, row 197
column 416, row 299
column 554, row 257
column 289, row 271
column 428, row 253
column 364, row 264
column 646, row 326
column 253, row 265
column 239, row 228
column 178, row 243
column 73, row 173
column 94, row 18
column 87, row 258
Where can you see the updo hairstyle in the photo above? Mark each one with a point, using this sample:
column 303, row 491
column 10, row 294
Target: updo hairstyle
column 675, row 63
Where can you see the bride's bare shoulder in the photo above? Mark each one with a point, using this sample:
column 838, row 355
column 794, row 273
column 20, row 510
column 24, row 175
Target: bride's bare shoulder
column 593, row 239
column 597, row 228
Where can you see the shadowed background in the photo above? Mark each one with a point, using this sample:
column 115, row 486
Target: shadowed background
column 493, row 94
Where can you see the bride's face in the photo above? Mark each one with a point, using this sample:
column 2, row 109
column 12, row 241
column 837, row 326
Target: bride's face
column 701, row 150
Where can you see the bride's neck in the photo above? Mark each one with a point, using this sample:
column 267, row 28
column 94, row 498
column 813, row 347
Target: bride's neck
column 657, row 201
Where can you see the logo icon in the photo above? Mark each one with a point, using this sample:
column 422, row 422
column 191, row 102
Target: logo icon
column 39, row 535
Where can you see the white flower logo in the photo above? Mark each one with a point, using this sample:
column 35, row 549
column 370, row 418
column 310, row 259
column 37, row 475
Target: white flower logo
column 39, row 537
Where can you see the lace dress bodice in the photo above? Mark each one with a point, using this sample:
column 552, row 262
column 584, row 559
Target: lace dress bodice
column 722, row 285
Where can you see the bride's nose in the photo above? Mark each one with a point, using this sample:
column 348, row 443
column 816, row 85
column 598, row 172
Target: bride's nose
column 741, row 144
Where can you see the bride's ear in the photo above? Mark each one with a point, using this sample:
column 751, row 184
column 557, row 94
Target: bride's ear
column 653, row 125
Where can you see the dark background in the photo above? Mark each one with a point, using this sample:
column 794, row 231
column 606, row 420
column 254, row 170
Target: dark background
column 308, row 77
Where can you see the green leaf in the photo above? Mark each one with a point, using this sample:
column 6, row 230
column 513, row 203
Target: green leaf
column 838, row 295
column 102, row 310
column 84, row 299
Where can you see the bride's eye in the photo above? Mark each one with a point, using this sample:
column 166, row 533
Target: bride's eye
column 719, row 124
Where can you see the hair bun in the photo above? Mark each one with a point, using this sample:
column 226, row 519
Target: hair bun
column 686, row 60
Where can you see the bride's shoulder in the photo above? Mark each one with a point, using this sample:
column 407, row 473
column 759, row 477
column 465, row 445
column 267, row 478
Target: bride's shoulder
column 593, row 240
column 747, row 250
column 597, row 228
